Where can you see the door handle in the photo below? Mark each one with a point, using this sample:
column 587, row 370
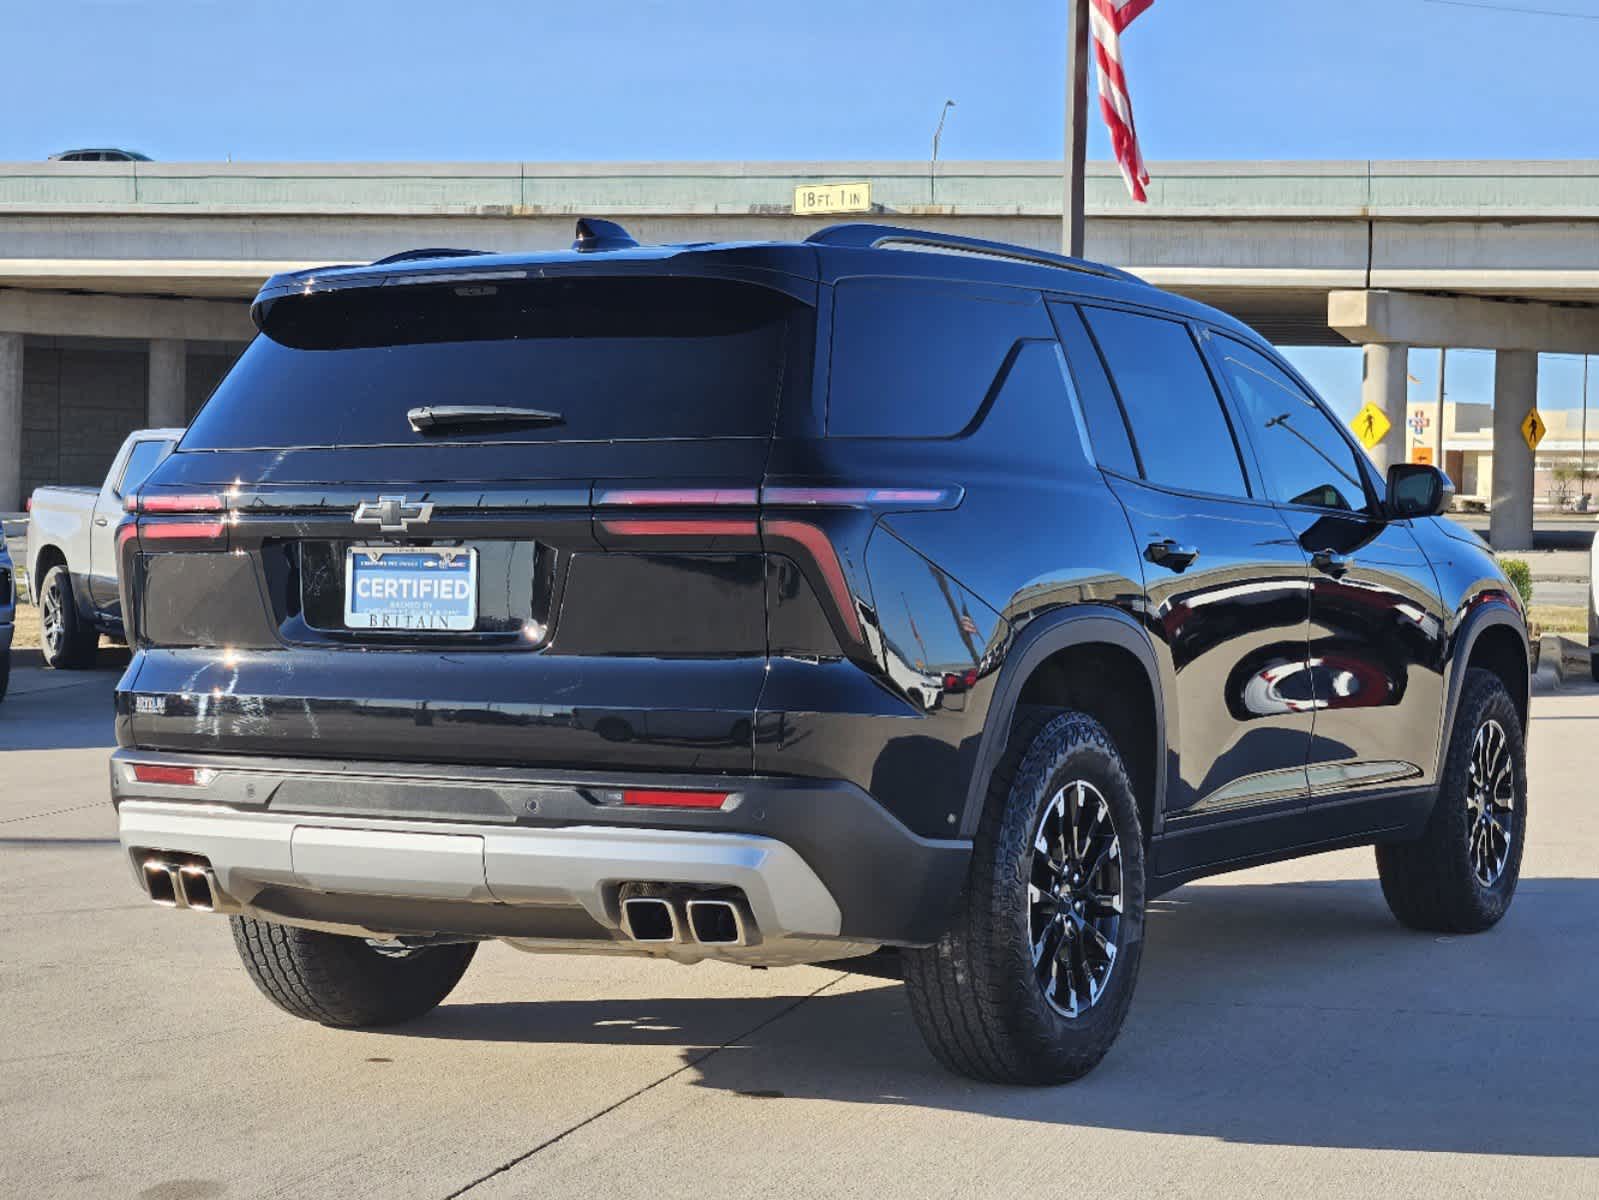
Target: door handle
column 1330, row 562
column 1165, row 552
column 100, row 521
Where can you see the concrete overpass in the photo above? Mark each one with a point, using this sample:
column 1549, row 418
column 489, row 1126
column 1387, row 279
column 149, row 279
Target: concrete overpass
column 135, row 254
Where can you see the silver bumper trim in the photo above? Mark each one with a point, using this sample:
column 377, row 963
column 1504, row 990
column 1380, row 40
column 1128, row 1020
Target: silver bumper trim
column 482, row 864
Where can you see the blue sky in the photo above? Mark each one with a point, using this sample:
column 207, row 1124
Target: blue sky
column 826, row 79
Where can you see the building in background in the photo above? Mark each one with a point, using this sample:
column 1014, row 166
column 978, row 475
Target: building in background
column 1468, row 452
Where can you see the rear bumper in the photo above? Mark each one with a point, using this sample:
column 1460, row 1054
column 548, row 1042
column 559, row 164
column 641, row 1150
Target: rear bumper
column 416, row 849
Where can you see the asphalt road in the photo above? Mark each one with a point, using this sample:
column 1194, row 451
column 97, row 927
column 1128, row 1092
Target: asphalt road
column 1287, row 1039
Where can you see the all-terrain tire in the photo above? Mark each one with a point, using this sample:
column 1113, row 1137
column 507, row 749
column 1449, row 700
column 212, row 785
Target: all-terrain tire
column 5, row 672
column 1430, row 882
column 345, row 981
column 974, row 994
column 66, row 640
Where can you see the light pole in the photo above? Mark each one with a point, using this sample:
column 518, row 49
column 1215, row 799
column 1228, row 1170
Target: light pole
column 932, row 163
column 1071, row 213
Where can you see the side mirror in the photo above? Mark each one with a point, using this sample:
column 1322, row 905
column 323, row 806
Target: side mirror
column 1418, row 490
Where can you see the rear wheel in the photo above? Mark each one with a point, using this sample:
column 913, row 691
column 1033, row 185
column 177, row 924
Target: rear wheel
column 1460, row 875
column 66, row 639
column 1032, row 982
column 346, row 981
column 5, row 672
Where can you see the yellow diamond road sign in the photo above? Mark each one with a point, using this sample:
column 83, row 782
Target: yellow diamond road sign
column 1533, row 429
column 1370, row 424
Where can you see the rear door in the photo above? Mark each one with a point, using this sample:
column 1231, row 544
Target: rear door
column 580, row 583
column 1377, row 622
column 1226, row 590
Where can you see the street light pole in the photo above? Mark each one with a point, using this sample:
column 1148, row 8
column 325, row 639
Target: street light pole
column 932, row 165
column 1071, row 232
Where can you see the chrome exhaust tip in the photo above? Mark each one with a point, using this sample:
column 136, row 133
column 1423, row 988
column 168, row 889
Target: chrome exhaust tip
column 717, row 923
column 185, row 881
column 199, row 887
column 161, row 880
column 650, row 919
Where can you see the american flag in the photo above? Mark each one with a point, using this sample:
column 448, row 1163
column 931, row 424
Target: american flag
column 1108, row 18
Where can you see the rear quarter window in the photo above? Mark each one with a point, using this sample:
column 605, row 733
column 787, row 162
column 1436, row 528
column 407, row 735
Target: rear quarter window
column 912, row 359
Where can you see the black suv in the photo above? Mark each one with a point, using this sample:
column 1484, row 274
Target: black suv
column 775, row 603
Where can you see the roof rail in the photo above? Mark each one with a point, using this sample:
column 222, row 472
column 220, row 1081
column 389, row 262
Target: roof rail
column 865, row 236
column 429, row 252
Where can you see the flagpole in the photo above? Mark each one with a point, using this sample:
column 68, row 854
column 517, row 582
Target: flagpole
column 1076, row 125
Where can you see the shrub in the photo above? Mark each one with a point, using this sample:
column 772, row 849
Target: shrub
column 1519, row 574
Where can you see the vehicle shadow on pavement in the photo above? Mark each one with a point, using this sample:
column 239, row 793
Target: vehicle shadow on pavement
column 62, row 710
column 1285, row 1014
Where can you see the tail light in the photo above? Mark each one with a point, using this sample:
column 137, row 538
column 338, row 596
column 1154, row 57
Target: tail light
column 201, row 502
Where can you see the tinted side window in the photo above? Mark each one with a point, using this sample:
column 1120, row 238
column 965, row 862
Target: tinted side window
column 1107, row 429
column 916, row 360
column 1303, row 457
column 142, row 459
column 1181, row 431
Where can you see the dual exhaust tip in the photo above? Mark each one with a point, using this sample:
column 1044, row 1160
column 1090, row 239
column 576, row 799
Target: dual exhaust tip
column 186, row 883
column 700, row 920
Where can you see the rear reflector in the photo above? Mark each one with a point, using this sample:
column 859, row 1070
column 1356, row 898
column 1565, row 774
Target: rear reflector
column 670, row 799
column 174, row 776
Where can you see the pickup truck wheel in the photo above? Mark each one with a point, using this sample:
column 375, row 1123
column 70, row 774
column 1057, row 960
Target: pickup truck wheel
column 346, row 982
column 1033, row 980
column 1460, row 875
column 5, row 672
column 66, row 640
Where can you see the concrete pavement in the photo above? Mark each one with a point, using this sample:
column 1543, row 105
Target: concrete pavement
column 1287, row 1039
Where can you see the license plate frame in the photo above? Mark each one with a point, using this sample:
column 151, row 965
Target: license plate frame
column 452, row 610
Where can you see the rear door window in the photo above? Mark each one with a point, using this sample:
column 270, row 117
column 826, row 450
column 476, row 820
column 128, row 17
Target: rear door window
column 1179, row 426
column 913, row 359
column 618, row 359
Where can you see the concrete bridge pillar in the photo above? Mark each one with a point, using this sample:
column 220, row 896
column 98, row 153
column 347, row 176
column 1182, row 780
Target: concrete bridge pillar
column 168, row 382
column 1383, row 384
column 1515, row 391
column 10, row 422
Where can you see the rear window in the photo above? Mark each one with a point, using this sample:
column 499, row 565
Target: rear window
column 640, row 358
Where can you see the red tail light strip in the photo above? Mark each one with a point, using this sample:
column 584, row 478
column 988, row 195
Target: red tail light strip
column 173, row 504
column 820, row 549
column 677, row 497
column 126, row 532
column 850, row 496
column 152, row 531
column 671, row 527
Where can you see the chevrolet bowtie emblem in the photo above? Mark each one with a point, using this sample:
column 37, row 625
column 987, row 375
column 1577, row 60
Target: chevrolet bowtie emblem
column 392, row 514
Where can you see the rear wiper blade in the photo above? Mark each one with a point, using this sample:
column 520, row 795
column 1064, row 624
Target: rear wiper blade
column 452, row 416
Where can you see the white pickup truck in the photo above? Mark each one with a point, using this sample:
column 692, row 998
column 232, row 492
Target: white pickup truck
column 71, row 558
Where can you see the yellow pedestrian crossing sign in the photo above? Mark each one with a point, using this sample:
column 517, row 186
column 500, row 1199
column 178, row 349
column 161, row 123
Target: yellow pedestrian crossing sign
column 1533, row 429
column 1370, row 425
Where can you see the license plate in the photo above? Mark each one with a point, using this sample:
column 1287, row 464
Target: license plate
column 389, row 588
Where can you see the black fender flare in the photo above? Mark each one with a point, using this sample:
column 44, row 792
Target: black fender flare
column 1491, row 609
column 1040, row 638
